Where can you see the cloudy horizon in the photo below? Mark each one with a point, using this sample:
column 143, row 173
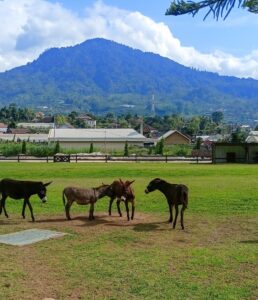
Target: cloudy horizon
column 29, row 27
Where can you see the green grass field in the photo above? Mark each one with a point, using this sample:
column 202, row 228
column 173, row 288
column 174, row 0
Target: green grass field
column 215, row 257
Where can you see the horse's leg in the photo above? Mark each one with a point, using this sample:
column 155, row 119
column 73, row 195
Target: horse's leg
column 110, row 205
column 67, row 209
column 170, row 220
column 2, row 203
column 133, row 209
column 91, row 214
column 118, row 201
column 23, row 209
column 127, row 210
column 31, row 210
column 174, row 224
column 182, row 217
column 1, row 206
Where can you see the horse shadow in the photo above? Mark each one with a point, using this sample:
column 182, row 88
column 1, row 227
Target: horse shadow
column 249, row 242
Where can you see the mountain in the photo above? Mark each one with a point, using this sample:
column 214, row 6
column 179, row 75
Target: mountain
column 100, row 76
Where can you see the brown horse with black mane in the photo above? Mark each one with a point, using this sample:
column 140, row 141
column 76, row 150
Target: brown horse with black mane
column 122, row 191
column 176, row 194
column 18, row 189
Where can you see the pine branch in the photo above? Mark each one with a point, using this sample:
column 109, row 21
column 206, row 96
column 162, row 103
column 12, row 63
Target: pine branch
column 218, row 8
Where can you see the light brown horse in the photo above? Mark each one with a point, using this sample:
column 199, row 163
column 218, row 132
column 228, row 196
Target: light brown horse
column 122, row 191
column 83, row 197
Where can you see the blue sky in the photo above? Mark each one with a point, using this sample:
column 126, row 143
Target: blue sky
column 228, row 47
column 236, row 35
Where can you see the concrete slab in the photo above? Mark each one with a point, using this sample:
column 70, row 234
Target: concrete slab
column 29, row 236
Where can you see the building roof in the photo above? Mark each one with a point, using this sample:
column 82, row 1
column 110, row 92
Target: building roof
column 2, row 125
column 117, row 134
column 170, row 132
column 212, row 138
column 19, row 130
column 24, row 137
column 252, row 137
column 36, row 125
column 253, row 132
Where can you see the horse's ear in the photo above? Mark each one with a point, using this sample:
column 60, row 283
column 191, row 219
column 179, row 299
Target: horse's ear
column 157, row 180
column 130, row 182
column 121, row 181
column 48, row 183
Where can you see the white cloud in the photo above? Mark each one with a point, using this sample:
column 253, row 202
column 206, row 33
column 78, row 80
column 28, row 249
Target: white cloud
column 28, row 27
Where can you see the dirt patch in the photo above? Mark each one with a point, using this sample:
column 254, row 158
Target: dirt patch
column 42, row 273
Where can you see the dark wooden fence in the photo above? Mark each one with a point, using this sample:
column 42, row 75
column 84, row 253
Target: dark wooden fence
column 104, row 158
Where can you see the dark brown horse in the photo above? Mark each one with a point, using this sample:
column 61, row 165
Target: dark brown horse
column 83, row 197
column 122, row 191
column 18, row 189
column 176, row 194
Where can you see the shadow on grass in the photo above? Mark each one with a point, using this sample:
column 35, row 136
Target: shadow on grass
column 7, row 221
column 249, row 242
column 145, row 227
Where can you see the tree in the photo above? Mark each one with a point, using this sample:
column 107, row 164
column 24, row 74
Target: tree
column 218, row 8
column 57, row 147
column 217, row 117
column 126, row 150
column 160, row 147
column 24, row 147
column 91, row 148
column 198, row 144
column 238, row 136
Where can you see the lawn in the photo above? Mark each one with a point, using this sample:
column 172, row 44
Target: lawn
column 215, row 257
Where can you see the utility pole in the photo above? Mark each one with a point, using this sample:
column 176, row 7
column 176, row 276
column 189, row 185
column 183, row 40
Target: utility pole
column 153, row 109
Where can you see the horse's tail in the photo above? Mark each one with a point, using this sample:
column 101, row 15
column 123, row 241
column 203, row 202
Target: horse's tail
column 64, row 197
column 184, row 196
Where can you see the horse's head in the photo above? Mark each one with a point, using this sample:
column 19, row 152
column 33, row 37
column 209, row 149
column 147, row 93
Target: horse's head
column 43, row 191
column 105, row 189
column 127, row 191
column 153, row 185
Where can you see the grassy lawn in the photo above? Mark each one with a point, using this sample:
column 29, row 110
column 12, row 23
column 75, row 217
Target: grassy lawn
column 215, row 257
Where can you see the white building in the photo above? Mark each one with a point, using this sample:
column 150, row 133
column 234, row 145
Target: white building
column 104, row 139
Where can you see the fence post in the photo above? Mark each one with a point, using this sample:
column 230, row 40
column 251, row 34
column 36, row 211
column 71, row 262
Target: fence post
column 166, row 158
column 47, row 158
column 76, row 157
column 106, row 158
column 18, row 157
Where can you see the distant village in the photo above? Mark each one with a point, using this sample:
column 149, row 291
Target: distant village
column 79, row 130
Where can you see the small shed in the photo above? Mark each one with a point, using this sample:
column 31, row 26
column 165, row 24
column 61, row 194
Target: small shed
column 235, row 153
column 175, row 137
